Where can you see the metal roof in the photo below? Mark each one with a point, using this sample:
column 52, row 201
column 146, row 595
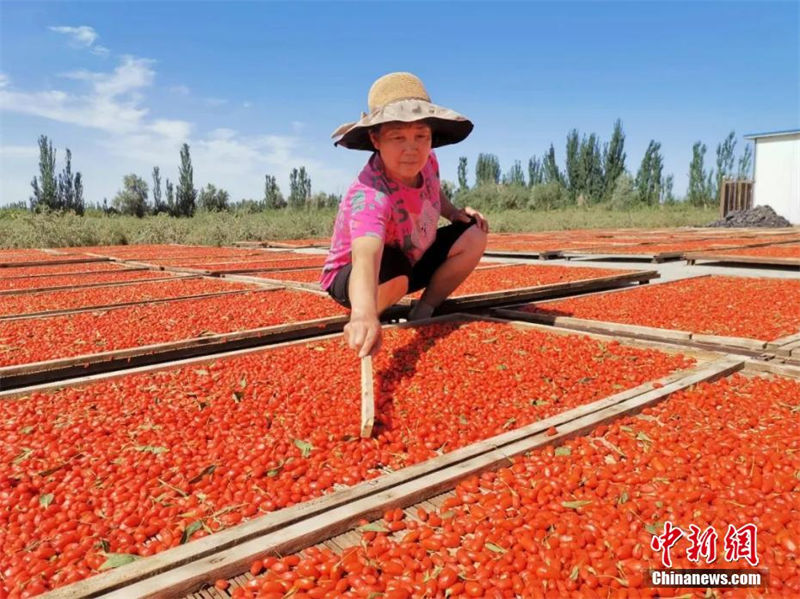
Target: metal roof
column 772, row 134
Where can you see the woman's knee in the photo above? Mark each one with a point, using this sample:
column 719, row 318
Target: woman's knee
column 473, row 240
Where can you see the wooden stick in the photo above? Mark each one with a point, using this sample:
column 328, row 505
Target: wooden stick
column 367, row 397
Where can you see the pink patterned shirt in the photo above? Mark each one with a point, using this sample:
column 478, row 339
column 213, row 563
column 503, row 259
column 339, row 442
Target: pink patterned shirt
column 403, row 217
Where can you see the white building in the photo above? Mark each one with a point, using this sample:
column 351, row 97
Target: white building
column 777, row 172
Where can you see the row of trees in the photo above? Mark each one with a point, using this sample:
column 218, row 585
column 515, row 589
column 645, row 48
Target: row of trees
column 593, row 173
column 596, row 173
column 62, row 192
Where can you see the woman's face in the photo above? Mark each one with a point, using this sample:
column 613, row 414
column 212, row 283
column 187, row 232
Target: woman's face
column 404, row 149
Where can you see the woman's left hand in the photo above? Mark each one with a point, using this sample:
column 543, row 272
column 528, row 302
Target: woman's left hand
column 465, row 215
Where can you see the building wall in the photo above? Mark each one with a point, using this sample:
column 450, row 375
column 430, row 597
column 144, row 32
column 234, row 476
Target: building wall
column 777, row 175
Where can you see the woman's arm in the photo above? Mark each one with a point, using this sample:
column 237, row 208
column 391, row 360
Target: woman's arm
column 363, row 332
column 464, row 215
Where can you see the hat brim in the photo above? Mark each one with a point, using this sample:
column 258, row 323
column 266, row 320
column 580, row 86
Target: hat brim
column 448, row 127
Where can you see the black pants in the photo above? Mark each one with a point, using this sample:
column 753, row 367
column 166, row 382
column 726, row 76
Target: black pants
column 394, row 263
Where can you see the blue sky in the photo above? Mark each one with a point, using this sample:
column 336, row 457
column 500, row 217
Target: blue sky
column 257, row 87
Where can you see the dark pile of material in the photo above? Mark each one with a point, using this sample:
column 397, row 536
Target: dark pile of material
column 760, row 216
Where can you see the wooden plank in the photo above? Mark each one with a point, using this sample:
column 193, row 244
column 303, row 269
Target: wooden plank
column 103, row 284
column 595, row 326
column 793, row 349
column 755, row 345
column 525, row 294
column 711, row 342
column 783, row 342
column 78, row 366
column 228, row 559
column 543, row 255
column 733, row 259
column 52, row 262
column 785, row 370
column 107, row 307
column 367, row 397
column 80, row 273
column 217, row 273
column 243, row 278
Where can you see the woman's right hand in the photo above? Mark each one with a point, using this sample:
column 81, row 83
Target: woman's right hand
column 363, row 334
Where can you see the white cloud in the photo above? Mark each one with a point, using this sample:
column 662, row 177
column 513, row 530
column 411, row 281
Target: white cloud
column 215, row 102
column 82, row 36
column 247, row 104
column 19, row 151
column 130, row 138
column 113, row 104
column 100, row 50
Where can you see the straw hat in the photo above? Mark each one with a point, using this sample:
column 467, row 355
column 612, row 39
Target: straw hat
column 402, row 97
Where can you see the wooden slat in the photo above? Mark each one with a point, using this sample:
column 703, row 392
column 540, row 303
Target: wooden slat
column 687, row 338
column 106, row 307
column 243, row 278
column 783, row 341
column 733, row 259
column 755, row 345
column 119, row 283
column 228, row 560
column 785, row 370
column 62, row 369
column 52, row 262
column 525, row 294
column 543, row 255
column 595, row 326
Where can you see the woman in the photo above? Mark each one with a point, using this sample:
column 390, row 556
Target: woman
column 385, row 242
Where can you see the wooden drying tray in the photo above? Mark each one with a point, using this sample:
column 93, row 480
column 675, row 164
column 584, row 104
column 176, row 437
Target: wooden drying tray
column 352, row 536
column 60, row 369
column 540, row 292
column 218, row 273
column 657, row 257
column 104, row 307
column 288, row 245
column 540, row 255
column 692, row 257
column 100, row 284
column 182, row 569
column 304, row 286
column 739, row 345
column 65, row 260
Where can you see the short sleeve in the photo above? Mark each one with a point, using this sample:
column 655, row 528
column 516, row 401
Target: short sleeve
column 369, row 214
column 435, row 164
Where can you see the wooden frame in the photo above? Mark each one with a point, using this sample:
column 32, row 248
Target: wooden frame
column 693, row 257
column 66, row 368
column 545, row 255
column 718, row 343
column 54, row 262
column 739, row 345
column 640, row 257
column 105, row 307
column 541, row 292
column 166, row 277
column 184, row 568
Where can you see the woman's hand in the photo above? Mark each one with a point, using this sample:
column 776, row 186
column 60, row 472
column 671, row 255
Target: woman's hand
column 465, row 215
column 363, row 334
